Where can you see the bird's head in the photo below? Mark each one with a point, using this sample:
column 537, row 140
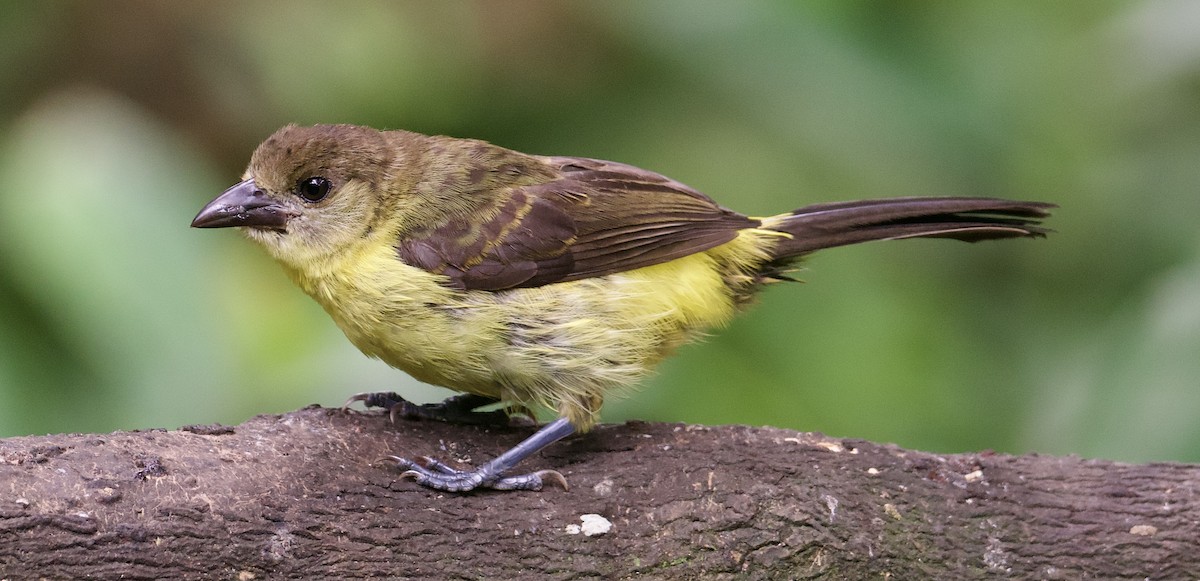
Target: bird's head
column 313, row 194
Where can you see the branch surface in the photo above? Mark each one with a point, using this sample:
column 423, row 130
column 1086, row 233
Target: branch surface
column 305, row 495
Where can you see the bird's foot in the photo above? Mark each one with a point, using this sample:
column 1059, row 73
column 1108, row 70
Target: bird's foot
column 459, row 409
column 377, row 399
column 431, row 473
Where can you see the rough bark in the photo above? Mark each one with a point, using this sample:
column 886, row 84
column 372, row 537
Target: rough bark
column 305, row 495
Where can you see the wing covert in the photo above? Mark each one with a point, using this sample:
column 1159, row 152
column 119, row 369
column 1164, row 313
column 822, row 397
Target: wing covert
column 594, row 218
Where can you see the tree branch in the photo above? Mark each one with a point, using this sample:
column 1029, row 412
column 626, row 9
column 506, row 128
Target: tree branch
column 305, row 495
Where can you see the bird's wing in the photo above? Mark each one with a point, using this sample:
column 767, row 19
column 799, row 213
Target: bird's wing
column 595, row 218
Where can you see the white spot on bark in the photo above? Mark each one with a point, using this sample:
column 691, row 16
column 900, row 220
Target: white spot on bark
column 832, row 504
column 594, row 524
column 995, row 557
column 604, row 487
column 1143, row 530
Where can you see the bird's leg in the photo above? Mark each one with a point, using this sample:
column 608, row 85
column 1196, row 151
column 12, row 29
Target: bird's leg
column 434, row 474
column 458, row 409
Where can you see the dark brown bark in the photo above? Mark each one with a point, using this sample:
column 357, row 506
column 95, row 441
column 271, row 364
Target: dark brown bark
column 303, row 495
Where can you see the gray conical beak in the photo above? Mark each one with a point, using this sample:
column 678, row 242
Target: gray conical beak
column 242, row 205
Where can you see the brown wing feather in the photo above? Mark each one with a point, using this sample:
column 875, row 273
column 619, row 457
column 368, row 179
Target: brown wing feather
column 594, row 218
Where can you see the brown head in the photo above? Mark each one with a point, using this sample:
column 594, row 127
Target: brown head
column 312, row 193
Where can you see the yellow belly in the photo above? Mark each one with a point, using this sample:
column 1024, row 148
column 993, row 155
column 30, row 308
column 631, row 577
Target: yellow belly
column 562, row 345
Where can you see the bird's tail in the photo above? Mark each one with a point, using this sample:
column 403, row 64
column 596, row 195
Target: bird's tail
column 820, row 226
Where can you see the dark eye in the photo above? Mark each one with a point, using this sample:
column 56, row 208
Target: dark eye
column 313, row 189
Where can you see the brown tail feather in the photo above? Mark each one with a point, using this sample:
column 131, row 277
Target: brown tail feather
column 968, row 219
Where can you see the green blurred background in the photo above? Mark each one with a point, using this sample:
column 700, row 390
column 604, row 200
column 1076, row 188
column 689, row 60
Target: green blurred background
column 120, row 119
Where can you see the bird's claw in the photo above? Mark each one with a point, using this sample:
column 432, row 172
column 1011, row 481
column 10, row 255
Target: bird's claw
column 375, row 399
column 432, row 473
column 459, row 409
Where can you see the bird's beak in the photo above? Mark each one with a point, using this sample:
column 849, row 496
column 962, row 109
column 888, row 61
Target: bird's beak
column 242, row 205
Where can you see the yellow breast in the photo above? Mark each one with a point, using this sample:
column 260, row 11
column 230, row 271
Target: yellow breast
column 561, row 345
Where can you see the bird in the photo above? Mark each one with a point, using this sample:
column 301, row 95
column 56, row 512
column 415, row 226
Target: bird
column 530, row 280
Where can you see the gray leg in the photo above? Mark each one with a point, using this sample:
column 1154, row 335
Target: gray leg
column 433, row 474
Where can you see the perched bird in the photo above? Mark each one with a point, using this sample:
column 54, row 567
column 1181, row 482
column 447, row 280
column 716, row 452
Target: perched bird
column 533, row 280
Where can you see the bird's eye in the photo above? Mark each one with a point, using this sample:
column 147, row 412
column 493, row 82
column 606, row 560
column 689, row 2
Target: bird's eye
column 313, row 189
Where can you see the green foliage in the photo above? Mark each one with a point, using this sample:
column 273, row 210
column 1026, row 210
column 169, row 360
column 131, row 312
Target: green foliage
column 120, row 119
